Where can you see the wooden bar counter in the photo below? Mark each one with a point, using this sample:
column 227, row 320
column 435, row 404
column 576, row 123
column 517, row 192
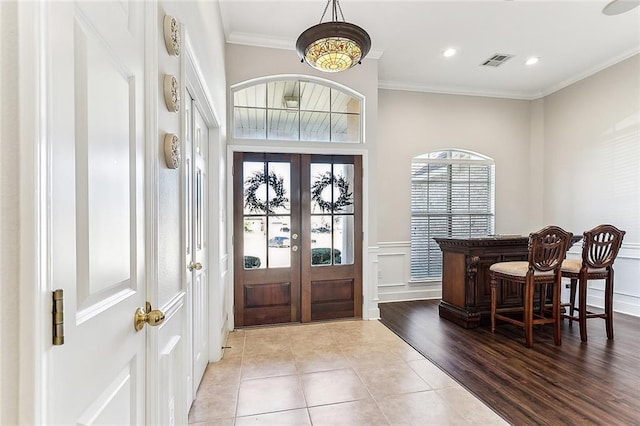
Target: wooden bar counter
column 466, row 290
column 466, row 287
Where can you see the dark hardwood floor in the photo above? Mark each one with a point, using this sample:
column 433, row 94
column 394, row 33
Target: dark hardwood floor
column 596, row 382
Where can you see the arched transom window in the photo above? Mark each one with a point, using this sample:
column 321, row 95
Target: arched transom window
column 298, row 110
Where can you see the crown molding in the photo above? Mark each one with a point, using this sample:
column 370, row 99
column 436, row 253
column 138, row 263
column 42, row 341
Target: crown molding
column 257, row 40
column 452, row 90
column 588, row 73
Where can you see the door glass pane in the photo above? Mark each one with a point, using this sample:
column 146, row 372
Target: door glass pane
column 321, row 241
column 343, row 188
column 255, row 242
column 343, row 239
column 321, row 192
column 255, row 191
column 267, row 207
column 279, row 188
column 279, row 242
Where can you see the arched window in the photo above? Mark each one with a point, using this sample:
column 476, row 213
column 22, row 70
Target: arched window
column 452, row 195
column 296, row 109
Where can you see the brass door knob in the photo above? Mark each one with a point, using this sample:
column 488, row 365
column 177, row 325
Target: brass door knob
column 194, row 265
column 144, row 316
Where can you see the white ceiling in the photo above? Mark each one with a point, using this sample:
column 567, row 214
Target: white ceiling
column 573, row 39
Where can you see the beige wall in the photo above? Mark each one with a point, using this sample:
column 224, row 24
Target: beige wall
column 592, row 145
column 411, row 124
column 9, row 205
column 592, row 164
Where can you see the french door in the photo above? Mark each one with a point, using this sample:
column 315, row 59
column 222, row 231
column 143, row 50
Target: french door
column 297, row 237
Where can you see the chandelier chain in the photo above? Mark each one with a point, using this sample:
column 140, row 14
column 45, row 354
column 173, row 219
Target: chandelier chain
column 325, row 11
column 340, row 9
column 335, row 8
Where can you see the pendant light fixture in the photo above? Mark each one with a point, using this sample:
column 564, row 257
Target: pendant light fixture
column 333, row 46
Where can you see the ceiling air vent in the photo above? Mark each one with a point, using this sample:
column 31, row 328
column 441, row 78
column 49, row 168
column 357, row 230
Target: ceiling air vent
column 497, row 60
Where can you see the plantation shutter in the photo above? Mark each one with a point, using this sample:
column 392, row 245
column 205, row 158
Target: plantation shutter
column 449, row 198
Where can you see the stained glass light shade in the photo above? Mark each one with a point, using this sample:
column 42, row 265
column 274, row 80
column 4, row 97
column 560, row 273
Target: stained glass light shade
column 333, row 46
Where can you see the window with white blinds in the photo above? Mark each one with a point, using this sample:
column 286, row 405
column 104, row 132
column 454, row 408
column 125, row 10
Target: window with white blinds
column 452, row 195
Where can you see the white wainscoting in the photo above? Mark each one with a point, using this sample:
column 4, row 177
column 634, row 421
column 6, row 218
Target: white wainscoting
column 394, row 275
column 626, row 285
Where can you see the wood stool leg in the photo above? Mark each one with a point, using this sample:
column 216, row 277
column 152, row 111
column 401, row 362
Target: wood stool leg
column 582, row 306
column 555, row 307
column 528, row 311
column 494, row 284
column 572, row 299
column 608, row 304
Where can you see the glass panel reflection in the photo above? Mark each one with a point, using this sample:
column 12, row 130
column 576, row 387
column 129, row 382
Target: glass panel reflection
column 345, row 128
column 279, row 188
column 342, row 102
column 249, row 123
column 343, row 239
column 332, row 188
column 267, row 206
column 321, row 241
column 255, row 243
column 314, row 126
column 343, row 188
column 321, row 192
column 255, row 193
column 279, row 242
column 283, row 125
column 253, row 96
column 283, row 94
column 314, row 97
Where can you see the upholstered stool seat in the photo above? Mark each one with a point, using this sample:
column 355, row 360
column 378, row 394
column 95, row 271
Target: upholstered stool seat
column 600, row 247
column 574, row 266
column 517, row 269
column 547, row 250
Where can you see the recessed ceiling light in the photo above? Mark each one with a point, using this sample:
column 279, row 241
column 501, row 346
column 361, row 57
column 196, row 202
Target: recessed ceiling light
column 449, row 52
column 532, row 61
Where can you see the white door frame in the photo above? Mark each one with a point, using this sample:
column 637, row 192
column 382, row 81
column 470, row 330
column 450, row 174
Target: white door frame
column 33, row 331
column 194, row 82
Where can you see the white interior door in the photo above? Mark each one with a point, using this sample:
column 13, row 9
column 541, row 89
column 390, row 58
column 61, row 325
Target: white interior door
column 196, row 168
column 95, row 173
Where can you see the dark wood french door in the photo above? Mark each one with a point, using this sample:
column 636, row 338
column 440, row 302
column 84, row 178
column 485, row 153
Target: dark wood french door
column 297, row 237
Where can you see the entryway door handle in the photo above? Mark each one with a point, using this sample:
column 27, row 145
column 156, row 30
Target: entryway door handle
column 145, row 315
column 194, row 265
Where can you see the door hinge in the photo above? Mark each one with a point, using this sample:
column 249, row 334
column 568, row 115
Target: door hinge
column 57, row 314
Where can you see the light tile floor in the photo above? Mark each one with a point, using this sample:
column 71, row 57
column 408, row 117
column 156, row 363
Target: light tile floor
column 333, row 373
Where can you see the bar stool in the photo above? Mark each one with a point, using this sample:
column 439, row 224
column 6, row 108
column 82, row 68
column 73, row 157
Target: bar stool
column 600, row 247
column 547, row 250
